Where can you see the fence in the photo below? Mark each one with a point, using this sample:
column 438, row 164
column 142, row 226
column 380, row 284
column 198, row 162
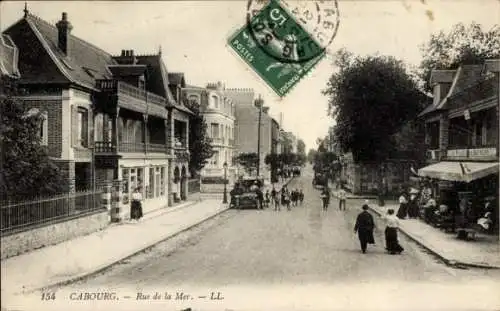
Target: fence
column 23, row 215
column 194, row 185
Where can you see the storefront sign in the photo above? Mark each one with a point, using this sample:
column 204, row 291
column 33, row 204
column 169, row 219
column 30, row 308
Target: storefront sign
column 459, row 153
column 482, row 152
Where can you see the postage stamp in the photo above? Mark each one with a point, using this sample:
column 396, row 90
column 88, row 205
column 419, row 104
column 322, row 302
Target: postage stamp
column 282, row 46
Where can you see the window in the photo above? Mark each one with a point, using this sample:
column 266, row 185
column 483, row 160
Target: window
column 215, row 130
column 44, row 129
column 215, row 100
column 193, row 100
column 82, row 127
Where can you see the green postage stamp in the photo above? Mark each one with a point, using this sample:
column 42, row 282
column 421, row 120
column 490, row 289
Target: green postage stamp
column 276, row 45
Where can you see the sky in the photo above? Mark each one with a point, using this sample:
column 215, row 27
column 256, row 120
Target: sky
column 193, row 38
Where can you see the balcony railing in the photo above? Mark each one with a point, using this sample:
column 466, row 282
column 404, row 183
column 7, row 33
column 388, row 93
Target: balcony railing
column 108, row 147
column 473, row 153
column 131, row 147
column 121, row 87
column 157, row 148
column 483, row 89
column 104, row 147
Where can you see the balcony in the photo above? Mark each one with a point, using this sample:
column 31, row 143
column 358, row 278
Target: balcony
column 106, row 147
column 134, row 98
column 484, row 153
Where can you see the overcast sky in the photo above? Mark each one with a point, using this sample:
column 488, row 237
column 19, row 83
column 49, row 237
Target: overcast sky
column 193, row 38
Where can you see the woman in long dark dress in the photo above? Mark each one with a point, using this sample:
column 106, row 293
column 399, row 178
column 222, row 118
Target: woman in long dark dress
column 403, row 206
column 364, row 227
column 136, row 205
column 391, row 234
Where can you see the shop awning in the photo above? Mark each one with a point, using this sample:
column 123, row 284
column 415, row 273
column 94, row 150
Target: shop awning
column 459, row 171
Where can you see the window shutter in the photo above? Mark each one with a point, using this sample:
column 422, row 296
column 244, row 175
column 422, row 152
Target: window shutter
column 91, row 127
column 74, row 126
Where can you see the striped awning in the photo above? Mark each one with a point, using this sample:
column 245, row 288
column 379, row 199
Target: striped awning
column 459, row 171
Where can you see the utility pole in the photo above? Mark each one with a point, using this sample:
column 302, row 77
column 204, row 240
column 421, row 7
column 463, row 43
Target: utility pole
column 259, row 103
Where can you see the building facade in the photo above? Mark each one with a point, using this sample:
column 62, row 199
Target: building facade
column 250, row 113
column 218, row 111
column 106, row 117
column 462, row 133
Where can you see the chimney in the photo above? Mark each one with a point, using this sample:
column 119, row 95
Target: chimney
column 64, row 28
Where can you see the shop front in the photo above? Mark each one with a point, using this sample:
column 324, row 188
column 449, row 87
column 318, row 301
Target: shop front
column 465, row 195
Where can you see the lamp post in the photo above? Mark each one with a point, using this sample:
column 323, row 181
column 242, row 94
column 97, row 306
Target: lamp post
column 224, row 198
column 259, row 103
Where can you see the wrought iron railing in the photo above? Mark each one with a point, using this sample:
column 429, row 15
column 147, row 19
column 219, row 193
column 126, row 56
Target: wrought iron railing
column 157, row 148
column 131, row 147
column 130, row 90
column 104, row 147
column 27, row 214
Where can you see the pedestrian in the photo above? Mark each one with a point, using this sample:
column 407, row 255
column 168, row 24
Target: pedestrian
column 301, row 196
column 285, row 198
column 260, row 198
column 136, row 205
column 342, row 197
column 391, row 233
column 364, row 227
column 275, row 199
column 267, row 198
column 325, row 197
column 403, row 209
column 413, row 209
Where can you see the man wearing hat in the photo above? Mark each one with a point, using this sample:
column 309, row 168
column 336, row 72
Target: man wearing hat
column 364, row 227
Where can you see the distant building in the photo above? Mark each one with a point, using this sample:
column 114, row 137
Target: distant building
column 219, row 114
column 247, row 126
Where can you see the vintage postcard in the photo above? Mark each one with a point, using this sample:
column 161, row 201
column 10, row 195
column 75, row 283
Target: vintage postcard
column 250, row 155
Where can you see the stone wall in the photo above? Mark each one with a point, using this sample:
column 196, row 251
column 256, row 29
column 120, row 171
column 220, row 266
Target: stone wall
column 14, row 244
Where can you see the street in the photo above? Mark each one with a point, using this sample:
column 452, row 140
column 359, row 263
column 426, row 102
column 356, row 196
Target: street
column 278, row 248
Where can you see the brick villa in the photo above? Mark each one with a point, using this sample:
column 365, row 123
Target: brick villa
column 106, row 117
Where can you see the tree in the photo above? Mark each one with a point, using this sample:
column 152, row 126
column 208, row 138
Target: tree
column 462, row 45
column 311, row 155
column 380, row 88
column 249, row 161
column 26, row 169
column 273, row 161
column 301, row 147
column 200, row 145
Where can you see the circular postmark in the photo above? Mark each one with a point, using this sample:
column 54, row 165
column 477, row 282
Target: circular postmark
column 293, row 31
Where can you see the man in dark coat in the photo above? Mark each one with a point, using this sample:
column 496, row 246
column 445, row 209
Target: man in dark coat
column 364, row 227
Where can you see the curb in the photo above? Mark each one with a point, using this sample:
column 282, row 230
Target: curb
column 103, row 267
column 449, row 262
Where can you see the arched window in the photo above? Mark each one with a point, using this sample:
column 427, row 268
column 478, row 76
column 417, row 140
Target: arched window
column 215, row 101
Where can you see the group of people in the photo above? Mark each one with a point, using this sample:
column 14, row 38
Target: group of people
column 408, row 206
column 325, row 197
column 365, row 225
column 284, row 197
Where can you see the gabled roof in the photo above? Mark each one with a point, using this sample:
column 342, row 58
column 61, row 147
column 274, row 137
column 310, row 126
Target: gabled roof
column 467, row 76
column 464, row 77
column 177, row 78
column 157, row 78
column 8, row 57
column 85, row 62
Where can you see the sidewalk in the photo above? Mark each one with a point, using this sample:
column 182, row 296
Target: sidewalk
column 484, row 252
column 83, row 256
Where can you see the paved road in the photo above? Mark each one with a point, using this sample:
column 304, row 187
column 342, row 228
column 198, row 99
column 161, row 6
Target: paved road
column 305, row 246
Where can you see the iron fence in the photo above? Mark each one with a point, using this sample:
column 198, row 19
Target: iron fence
column 27, row 214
